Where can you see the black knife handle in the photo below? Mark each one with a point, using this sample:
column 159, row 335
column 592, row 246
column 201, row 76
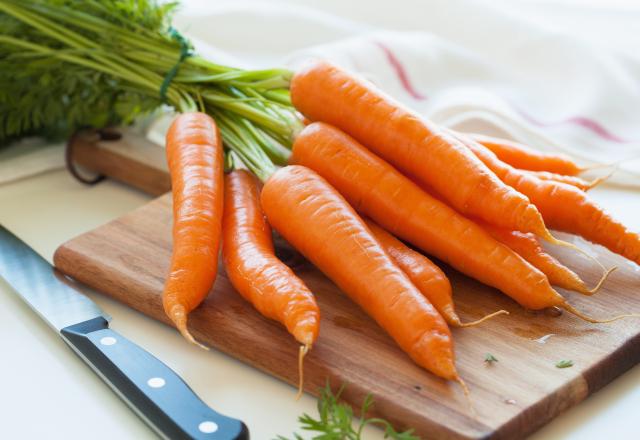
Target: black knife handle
column 154, row 391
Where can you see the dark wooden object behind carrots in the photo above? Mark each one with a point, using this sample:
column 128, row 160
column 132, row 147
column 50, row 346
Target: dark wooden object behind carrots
column 252, row 266
column 318, row 222
column 522, row 157
column 377, row 190
column 565, row 207
column 194, row 154
column 325, row 93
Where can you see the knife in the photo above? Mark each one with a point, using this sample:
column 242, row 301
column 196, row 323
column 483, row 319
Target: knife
column 155, row 392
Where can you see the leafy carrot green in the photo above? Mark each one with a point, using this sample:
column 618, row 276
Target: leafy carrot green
column 67, row 64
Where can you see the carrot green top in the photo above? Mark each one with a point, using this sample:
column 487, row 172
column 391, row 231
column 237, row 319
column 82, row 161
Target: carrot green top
column 78, row 63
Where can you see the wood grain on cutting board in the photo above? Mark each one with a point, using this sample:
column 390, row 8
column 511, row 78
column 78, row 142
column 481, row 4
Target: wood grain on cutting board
column 129, row 257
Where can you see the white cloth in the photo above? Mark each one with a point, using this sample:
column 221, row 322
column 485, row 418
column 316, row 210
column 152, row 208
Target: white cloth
column 516, row 70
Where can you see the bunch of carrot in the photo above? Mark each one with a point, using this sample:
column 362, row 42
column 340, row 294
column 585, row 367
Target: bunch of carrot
column 364, row 177
column 367, row 174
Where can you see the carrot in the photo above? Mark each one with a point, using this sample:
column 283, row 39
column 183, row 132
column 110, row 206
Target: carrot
column 520, row 156
column 319, row 223
column 579, row 183
column 566, row 208
column 527, row 246
column 377, row 190
column 393, row 201
column 425, row 275
column 253, row 268
column 194, row 155
column 417, row 147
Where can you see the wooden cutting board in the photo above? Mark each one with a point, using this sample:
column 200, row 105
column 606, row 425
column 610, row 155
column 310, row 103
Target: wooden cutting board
column 129, row 257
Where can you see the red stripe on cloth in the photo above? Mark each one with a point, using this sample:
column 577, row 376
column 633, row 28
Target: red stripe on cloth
column 401, row 72
column 582, row 121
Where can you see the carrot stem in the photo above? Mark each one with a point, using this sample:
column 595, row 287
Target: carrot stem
column 134, row 50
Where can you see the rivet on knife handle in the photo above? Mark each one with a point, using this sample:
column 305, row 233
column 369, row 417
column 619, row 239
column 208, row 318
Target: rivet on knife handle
column 157, row 394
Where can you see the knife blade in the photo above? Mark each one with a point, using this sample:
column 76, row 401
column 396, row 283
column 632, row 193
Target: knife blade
column 154, row 391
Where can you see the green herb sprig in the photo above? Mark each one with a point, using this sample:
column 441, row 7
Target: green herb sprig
column 336, row 420
column 489, row 359
column 564, row 364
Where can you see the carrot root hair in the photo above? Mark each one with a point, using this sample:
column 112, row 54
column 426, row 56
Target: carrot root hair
column 600, row 283
column 304, row 349
column 613, row 165
column 467, row 396
column 551, row 239
column 599, row 180
column 483, row 319
column 569, row 308
column 179, row 317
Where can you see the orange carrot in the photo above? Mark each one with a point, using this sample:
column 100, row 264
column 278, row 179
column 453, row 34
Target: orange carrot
column 255, row 271
column 565, row 207
column 579, row 183
column 527, row 246
column 520, row 156
column 194, row 154
column 394, row 202
column 377, row 190
column 425, row 275
column 319, row 223
column 417, row 147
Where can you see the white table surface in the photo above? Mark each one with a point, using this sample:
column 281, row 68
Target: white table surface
column 47, row 391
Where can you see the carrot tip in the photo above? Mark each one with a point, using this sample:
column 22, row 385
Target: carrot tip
column 481, row 320
column 599, row 180
column 467, row 395
column 614, row 165
column 304, row 349
column 600, row 283
column 569, row 308
column 179, row 317
column 551, row 239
